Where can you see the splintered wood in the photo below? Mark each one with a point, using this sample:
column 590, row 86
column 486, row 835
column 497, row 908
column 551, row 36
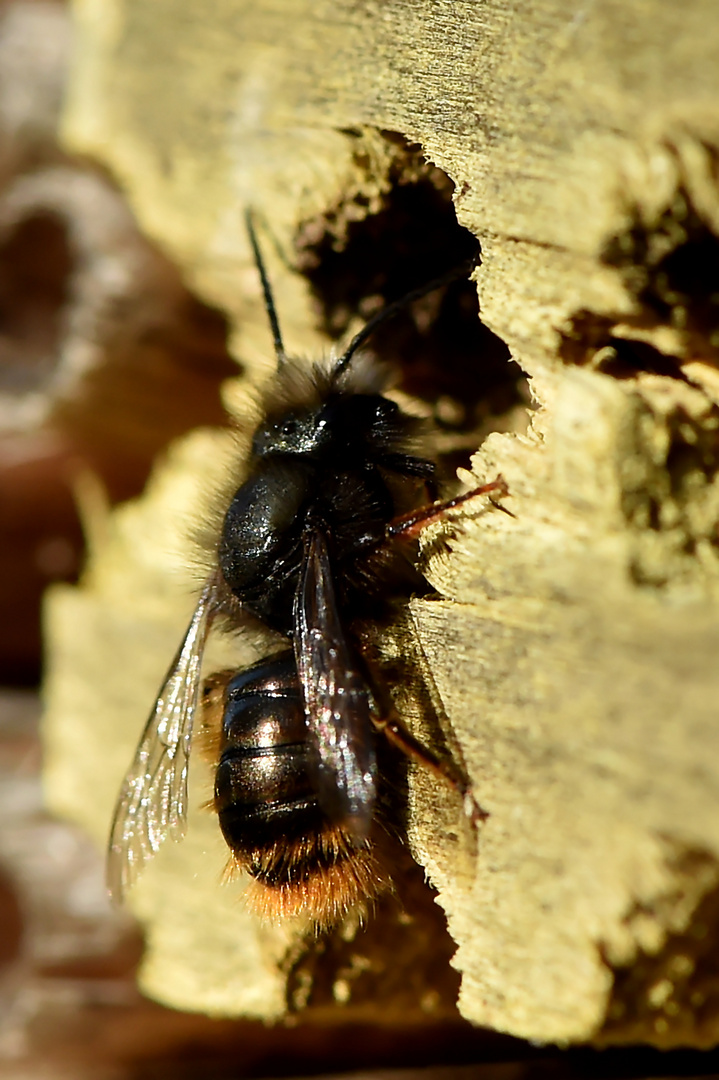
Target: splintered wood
column 572, row 646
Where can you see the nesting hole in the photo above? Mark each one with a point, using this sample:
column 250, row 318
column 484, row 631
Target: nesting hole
column 98, row 370
column 443, row 352
column 35, row 265
column 672, row 268
column 590, row 342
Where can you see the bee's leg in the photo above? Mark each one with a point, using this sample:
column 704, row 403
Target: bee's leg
column 390, row 725
column 409, row 526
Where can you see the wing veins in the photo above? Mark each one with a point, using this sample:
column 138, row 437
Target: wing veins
column 153, row 800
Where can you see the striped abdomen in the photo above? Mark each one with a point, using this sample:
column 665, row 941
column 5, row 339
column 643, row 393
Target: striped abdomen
column 267, row 806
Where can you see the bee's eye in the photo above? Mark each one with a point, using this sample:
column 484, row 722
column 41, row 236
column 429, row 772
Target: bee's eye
column 386, row 407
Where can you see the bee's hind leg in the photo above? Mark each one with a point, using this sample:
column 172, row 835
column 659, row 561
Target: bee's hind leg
column 390, row 725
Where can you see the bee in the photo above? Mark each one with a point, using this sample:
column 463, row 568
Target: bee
column 313, row 544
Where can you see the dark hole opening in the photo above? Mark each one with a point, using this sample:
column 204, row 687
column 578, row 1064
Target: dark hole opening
column 35, row 263
column 157, row 363
column 673, row 268
column 590, row 341
column 445, row 354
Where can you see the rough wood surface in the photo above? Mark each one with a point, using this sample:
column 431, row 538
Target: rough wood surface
column 573, row 645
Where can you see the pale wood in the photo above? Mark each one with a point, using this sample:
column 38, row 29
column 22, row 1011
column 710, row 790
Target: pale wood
column 575, row 648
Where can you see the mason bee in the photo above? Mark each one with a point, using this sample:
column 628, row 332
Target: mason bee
column 311, row 545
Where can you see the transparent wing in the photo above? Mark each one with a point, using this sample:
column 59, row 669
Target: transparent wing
column 336, row 697
column 153, row 800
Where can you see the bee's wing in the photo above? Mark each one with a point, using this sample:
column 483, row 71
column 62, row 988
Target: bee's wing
column 336, row 696
column 153, row 799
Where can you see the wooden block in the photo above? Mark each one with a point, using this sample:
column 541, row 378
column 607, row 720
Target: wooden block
column 573, row 645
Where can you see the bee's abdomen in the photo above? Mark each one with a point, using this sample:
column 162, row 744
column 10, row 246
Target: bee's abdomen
column 268, row 809
column 262, row 786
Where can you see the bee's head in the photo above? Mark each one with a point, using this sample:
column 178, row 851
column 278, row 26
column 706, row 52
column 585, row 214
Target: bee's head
column 344, row 423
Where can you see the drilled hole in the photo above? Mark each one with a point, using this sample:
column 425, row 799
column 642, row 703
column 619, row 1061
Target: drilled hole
column 673, row 269
column 444, row 353
column 35, row 264
column 104, row 359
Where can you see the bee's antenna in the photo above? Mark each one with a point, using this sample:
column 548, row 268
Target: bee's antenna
column 396, row 306
column 266, row 290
